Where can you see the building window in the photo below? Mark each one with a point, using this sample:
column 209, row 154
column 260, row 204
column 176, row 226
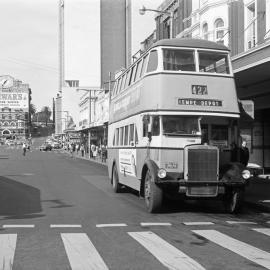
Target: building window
column 175, row 23
column 250, row 25
column 205, row 31
column 219, row 31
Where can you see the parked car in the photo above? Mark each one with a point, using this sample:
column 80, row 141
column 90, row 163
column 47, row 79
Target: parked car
column 45, row 147
column 55, row 145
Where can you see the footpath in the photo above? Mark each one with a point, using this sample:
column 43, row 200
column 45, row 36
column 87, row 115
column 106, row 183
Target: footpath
column 257, row 193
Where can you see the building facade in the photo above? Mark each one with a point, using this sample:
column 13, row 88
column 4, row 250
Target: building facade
column 243, row 26
column 14, row 108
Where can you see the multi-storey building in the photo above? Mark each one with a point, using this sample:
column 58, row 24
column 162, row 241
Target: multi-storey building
column 14, row 108
column 243, row 26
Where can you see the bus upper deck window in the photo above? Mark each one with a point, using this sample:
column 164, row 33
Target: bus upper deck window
column 153, row 61
column 213, row 62
column 178, row 60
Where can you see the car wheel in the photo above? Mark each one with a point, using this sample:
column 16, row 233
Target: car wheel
column 153, row 195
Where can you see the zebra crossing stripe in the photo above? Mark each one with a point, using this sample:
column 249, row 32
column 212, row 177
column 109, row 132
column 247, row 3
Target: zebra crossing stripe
column 7, row 250
column 265, row 231
column 198, row 223
column 81, row 252
column 245, row 250
column 168, row 255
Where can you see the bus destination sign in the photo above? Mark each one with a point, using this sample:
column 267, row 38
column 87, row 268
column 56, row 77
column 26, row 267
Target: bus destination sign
column 199, row 89
column 200, row 102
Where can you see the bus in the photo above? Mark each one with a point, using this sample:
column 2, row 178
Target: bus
column 173, row 123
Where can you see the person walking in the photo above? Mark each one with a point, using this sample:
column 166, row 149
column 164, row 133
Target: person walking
column 24, row 148
column 244, row 153
column 82, row 150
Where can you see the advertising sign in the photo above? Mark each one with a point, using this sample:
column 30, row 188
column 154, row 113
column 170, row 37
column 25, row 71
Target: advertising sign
column 127, row 162
column 14, row 99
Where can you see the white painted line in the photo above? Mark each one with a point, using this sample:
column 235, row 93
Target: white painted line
column 265, row 231
column 111, row 225
column 245, row 250
column 155, row 224
column 240, row 222
column 198, row 223
column 265, row 201
column 81, row 252
column 65, row 226
column 7, row 250
column 18, row 226
column 168, row 255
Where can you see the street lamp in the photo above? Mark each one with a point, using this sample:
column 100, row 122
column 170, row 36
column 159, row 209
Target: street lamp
column 143, row 9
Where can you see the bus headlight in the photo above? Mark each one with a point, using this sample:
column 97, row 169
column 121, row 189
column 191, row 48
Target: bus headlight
column 246, row 174
column 162, row 173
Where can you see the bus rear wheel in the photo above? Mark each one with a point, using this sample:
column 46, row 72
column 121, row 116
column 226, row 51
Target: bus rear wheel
column 153, row 194
column 115, row 180
column 233, row 201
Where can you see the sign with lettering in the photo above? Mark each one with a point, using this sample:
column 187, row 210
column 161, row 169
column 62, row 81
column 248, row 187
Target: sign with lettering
column 14, row 99
column 199, row 102
column 199, row 89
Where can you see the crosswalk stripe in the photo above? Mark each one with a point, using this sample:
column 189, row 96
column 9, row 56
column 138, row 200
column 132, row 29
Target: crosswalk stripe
column 245, row 250
column 145, row 224
column 168, row 255
column 7, row 250
column 239, row 222
column 265, row 231
column 198, row 223
column 81, row 252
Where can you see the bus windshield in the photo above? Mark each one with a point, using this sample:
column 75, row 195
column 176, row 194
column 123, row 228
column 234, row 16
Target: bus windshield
column 214, row 62
column 180, row 125
column 178, row 60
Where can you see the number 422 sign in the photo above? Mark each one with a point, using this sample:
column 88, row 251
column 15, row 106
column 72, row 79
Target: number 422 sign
column 199, row 89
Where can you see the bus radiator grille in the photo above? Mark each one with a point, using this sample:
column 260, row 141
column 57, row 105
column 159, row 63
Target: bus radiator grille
column 202, row 166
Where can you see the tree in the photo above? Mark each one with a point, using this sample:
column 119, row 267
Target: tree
column 46, row 111
column 32, row 109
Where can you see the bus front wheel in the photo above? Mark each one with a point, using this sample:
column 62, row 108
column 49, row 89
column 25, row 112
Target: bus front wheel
column 233, row 201
column 152, row 193
column 115, row 180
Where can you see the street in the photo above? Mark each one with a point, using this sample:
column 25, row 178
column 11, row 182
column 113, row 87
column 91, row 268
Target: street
column 59, row 212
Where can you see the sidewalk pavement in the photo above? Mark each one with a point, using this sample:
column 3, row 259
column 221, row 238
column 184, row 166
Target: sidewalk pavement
column 257, row 193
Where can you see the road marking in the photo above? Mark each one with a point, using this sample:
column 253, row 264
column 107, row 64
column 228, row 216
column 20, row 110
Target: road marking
column 65, row 226
column 268, row 222
column 7, row 250
column 265, row 201
column 198, row 223
column 18, row 226
column 245, row 250
column 27, row 174
column 111, row 225
column 168, row 255
column 155, row 224
column 81, row 252
column 265, row 231
column 240, row 222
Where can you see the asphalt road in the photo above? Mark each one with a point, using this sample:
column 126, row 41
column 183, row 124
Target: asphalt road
column 57, row 212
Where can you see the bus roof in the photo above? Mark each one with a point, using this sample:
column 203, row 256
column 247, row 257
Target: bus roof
column 191, row 43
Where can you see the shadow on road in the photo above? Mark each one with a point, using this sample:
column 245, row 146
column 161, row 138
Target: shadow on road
column 18, row 200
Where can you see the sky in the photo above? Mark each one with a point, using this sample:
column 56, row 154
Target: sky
column 29, row 43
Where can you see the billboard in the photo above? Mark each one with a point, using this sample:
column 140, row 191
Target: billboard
column 14, row 98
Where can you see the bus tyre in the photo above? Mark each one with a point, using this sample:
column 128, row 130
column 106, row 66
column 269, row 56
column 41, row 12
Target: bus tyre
column 233, row 201
column 115, row 180
column 153, row 194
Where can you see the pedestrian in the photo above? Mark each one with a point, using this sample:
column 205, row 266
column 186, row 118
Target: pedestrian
column 82, row 150
column 95, row 151
column 244, row 153
column 92, row 149
column 24, row 148
column 103, row 153
column 77, row 148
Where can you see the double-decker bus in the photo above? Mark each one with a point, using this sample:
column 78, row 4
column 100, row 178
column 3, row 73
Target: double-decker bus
column 173, row 119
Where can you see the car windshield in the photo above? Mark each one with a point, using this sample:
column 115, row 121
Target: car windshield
column 180, row 125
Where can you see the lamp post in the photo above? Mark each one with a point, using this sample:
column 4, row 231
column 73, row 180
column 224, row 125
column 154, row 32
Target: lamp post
column 143, row 9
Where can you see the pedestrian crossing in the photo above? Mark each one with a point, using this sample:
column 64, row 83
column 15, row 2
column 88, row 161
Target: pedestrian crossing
column 83, row 253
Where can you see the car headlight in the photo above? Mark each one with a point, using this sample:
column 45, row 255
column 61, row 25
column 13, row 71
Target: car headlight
column 246, row 174
column 162, row 173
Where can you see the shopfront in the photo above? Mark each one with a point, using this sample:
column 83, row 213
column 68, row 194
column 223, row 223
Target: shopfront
column 252, row 76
